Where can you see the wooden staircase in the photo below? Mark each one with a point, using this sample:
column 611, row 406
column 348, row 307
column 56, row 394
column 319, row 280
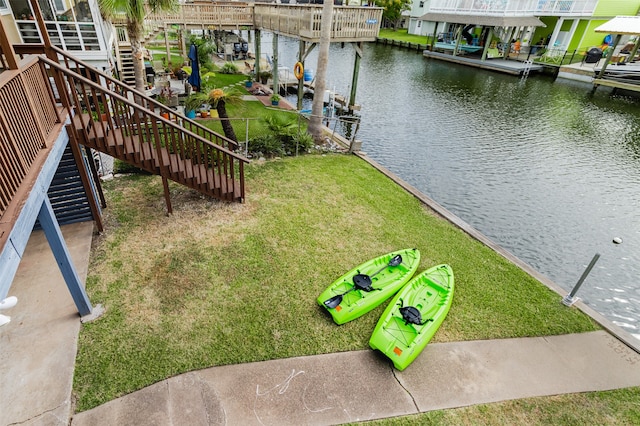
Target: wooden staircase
column 138, row 149
column 119, row 121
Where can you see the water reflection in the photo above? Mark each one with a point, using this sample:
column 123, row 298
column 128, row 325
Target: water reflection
column 543, row 167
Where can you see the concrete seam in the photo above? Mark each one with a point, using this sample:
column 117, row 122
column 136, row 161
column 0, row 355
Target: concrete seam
column 44, row 413
column 203, row 396
column 415, row 404
column 169, row 410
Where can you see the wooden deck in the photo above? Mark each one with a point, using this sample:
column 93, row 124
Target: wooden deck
column 301, row 21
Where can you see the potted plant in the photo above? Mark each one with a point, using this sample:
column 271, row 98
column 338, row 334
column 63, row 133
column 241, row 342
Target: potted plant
column 192, row 103
column 275, row 99
column 204, row 111
column 265, row 76
column 164, row 100
column 168, row 97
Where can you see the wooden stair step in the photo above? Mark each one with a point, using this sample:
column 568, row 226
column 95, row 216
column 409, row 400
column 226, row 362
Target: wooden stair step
column 141, row 153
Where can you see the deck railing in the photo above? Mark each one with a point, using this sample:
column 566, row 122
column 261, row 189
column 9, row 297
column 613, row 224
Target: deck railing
column 81, row 67
column 348, row 23
column 515, row 7
column 28, row 118
column 175, row 147
column 230, row 15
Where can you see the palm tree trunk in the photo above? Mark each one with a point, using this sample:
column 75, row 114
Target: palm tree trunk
column 315, row 122
column 226, row 123
column 135, row 32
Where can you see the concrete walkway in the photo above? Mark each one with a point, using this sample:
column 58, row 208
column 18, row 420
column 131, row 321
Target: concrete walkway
column 38, row 347
column 355, row 386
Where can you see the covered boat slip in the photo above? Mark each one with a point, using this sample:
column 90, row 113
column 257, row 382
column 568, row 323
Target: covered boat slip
column 627, row 76
column 480, row 53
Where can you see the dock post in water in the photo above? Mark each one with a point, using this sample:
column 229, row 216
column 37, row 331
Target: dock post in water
column 356, row 70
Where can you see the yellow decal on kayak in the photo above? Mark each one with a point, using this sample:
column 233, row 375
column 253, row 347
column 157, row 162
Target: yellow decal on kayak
column 397, row 351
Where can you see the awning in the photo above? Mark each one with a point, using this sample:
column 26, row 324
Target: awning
column 621, row 25
column 484, row 20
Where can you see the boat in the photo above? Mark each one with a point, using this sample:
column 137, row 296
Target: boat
column 369, row 284
column 461, row 47
column 414, row 315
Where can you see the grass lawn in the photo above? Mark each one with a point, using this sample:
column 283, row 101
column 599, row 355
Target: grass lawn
column 618, row 407
column 403, row 35
column 220, row 283
column 253, row 111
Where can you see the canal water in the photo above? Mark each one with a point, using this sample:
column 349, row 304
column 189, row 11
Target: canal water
column 545, row 169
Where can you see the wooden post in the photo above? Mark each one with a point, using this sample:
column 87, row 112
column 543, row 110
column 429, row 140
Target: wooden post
column 458, row 38
column 354, row 79
column 301, row 49
column 487, row 44
column 435, row 36
column 166, row 46
column 256, row 66
column 634, row 50
column 609, row 55
column 183, row 41
column 7, row 49
column 167, row 195
column 274, row 69
column 507, row 49
column 52, row 231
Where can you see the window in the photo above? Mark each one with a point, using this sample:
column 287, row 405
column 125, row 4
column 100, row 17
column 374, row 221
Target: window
column 3, row 4
column 419, row 22
column 59, row 4
column 421, row 4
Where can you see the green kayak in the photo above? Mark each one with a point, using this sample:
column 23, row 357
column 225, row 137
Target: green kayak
column 368, row 285
column 414, row 315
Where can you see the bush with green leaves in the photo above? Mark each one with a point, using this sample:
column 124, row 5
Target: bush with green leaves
column 284, row 137
column 229, row 68
column 267, row 145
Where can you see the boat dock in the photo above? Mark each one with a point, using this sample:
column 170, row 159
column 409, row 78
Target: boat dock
column 513, row 67
column 287, row 82
column 618, row 76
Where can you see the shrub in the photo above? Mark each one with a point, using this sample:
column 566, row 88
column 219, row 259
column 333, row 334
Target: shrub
column 229, row 68
column 302, row 142
column 268, row 145
column 284, row 138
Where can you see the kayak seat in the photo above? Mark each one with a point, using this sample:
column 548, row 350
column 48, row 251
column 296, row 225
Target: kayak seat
column 362, row 282
column 411, row 315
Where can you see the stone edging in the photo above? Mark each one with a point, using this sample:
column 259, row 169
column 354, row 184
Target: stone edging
column 622, row 335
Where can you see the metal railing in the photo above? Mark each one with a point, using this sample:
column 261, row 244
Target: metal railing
column 515, row 7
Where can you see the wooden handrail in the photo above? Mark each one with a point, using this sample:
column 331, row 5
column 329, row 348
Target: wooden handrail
column 144, row 130
column 73, row 63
